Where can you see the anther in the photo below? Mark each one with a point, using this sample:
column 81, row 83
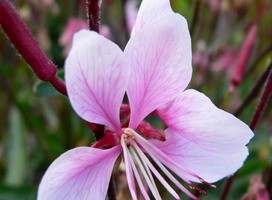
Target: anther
column 193, row 187
column 206, row 183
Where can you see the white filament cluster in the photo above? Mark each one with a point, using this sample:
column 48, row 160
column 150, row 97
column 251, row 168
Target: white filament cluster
column 139, row 166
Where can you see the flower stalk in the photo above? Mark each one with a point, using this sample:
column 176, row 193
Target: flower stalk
column 93, row 15
column 24, row 42
column 27, row 46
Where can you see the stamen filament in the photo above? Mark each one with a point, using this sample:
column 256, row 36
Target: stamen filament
column 137, row 176
column 171, row 177
column 129, row 173
column 156, row 173
column 164, row 158
column 149, row 177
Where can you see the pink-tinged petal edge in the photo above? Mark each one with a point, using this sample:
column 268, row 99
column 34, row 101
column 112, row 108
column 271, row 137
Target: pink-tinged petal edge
column 160, row 57
column 206, row 140
column 81, row 173
column 96, row 74
column 150, row 11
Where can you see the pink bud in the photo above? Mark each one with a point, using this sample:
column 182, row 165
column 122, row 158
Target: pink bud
column 244, row 57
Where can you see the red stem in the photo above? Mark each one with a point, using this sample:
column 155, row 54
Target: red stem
column 93, row 15
column 263, row 102
column 256, row 118
column 27, row 46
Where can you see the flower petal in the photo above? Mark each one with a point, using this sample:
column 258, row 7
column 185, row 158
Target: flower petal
column 81, row 173
column 97, row 75
column 149, row 11
column 160, row 57
column 208, row 141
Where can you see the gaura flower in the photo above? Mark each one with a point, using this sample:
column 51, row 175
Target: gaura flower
column 202, row 143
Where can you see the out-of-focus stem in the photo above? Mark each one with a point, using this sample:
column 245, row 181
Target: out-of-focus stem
column 227, row 188
column 195, row 17
column 112, row 190
column 254, row 65
column 124, row 20
column 255, row 119
column 254, row 92
column 93, row 15
column 263, row 102
column 27, row 46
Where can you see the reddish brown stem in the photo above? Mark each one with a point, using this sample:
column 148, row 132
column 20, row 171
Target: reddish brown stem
column 27, row 46
column 254, row 92
column 93, row 15
column 256, row 118
column 263, row 102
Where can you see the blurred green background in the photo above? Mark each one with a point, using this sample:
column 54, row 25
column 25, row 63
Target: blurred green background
column 37, row 124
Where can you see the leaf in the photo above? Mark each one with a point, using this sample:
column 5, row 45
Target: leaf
column 45, row 89
column 18, row 193
column 16, row 149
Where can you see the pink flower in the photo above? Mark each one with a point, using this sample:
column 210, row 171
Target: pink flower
column 202, row 143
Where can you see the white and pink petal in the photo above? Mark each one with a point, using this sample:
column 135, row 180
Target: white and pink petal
column 205, row 139
column 150, row 11
column 160, row 58
column 96, row 74
column 81, row 173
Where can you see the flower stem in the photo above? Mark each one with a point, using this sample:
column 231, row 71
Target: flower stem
column 93, row 15
column 254, row 92
column 124, row 19
column 111, row 190
column 27, row 46
column 195, row 17
column 259, row 58
column 255, row 119
column 263, row 102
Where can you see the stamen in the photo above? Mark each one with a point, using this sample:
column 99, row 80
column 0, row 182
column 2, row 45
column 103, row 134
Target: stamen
column 163, row 157
column 193, row 187
column 171, row 177
column 129, row 173
column 160, row 158
column 206, row 183
column 137, row 176
column 149, row 177
column 157, row 174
